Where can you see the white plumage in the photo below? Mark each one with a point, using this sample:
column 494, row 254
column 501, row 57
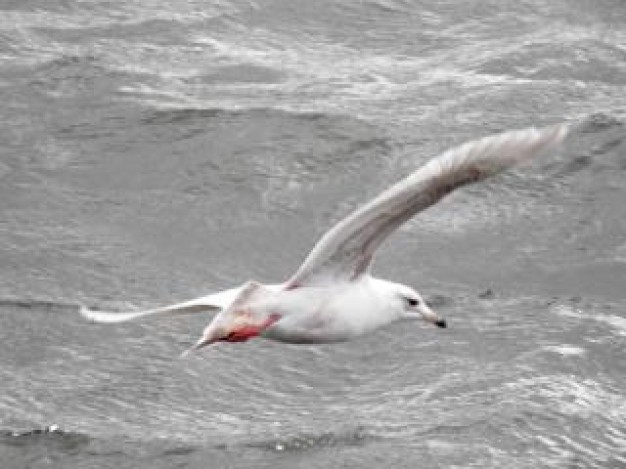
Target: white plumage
column 332, row 297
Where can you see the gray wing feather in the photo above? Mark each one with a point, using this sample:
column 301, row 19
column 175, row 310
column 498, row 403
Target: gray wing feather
column 345, row 251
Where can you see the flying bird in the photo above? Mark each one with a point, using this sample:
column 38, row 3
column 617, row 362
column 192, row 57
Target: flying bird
column 333, row 297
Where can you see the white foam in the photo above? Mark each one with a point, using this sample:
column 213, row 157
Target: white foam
column 565, row 350
column 617, row 322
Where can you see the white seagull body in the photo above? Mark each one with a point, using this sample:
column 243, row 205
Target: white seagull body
column 332, row 297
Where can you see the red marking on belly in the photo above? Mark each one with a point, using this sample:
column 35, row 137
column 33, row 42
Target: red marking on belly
column 249, row 331
column 243, row 333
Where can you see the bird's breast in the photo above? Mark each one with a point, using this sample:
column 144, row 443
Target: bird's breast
column 322, row 315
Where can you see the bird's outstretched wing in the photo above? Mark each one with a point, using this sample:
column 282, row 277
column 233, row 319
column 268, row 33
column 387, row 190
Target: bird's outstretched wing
column 206, row 304
column 346, row 250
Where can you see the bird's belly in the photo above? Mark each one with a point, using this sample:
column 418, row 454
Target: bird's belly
column 321, row 315
column 320, row 328
column 314, row 329
column 294, row 336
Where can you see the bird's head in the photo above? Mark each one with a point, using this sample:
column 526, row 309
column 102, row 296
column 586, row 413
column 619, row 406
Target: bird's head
column 413, row 306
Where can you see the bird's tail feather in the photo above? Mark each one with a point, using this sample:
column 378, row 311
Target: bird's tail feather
column 172, row 310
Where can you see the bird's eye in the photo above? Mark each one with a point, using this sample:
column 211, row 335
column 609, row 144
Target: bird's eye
column 413, row 301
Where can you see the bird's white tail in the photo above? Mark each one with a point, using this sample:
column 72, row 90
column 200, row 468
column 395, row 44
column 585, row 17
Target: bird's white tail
column 111, row 317
column 206, row 304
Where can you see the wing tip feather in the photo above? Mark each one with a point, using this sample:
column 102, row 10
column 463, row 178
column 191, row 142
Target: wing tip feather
column 96, row 316
column 547, row 138
column 524, row 144
column 559, row 132
column 469, row 162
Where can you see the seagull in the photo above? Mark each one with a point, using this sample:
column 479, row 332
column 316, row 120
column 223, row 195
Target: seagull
column 332, row 297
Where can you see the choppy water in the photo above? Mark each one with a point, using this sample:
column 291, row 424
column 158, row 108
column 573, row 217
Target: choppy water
column 153, row 151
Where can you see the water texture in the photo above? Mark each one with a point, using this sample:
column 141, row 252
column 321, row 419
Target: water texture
column 155, row 151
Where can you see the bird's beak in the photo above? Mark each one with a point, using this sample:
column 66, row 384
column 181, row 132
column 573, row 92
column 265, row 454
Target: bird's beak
column 430, row 316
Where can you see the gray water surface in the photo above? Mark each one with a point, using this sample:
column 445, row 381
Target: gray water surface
column 154, row 151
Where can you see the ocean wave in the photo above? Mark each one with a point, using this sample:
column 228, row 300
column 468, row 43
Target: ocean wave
column 617, row 323
column 573, row 399
column 576, row 59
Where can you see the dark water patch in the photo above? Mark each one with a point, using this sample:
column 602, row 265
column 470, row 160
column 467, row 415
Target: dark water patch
column 75, row 76
column 606, row 147
column 599, row 122
column 54, row 447
column 487, row 294
column 332, row 122
column 183, row 116
column 181, row 450
column 577, row 164
column 310, row 442
column 49, row 438
column 34, row 304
